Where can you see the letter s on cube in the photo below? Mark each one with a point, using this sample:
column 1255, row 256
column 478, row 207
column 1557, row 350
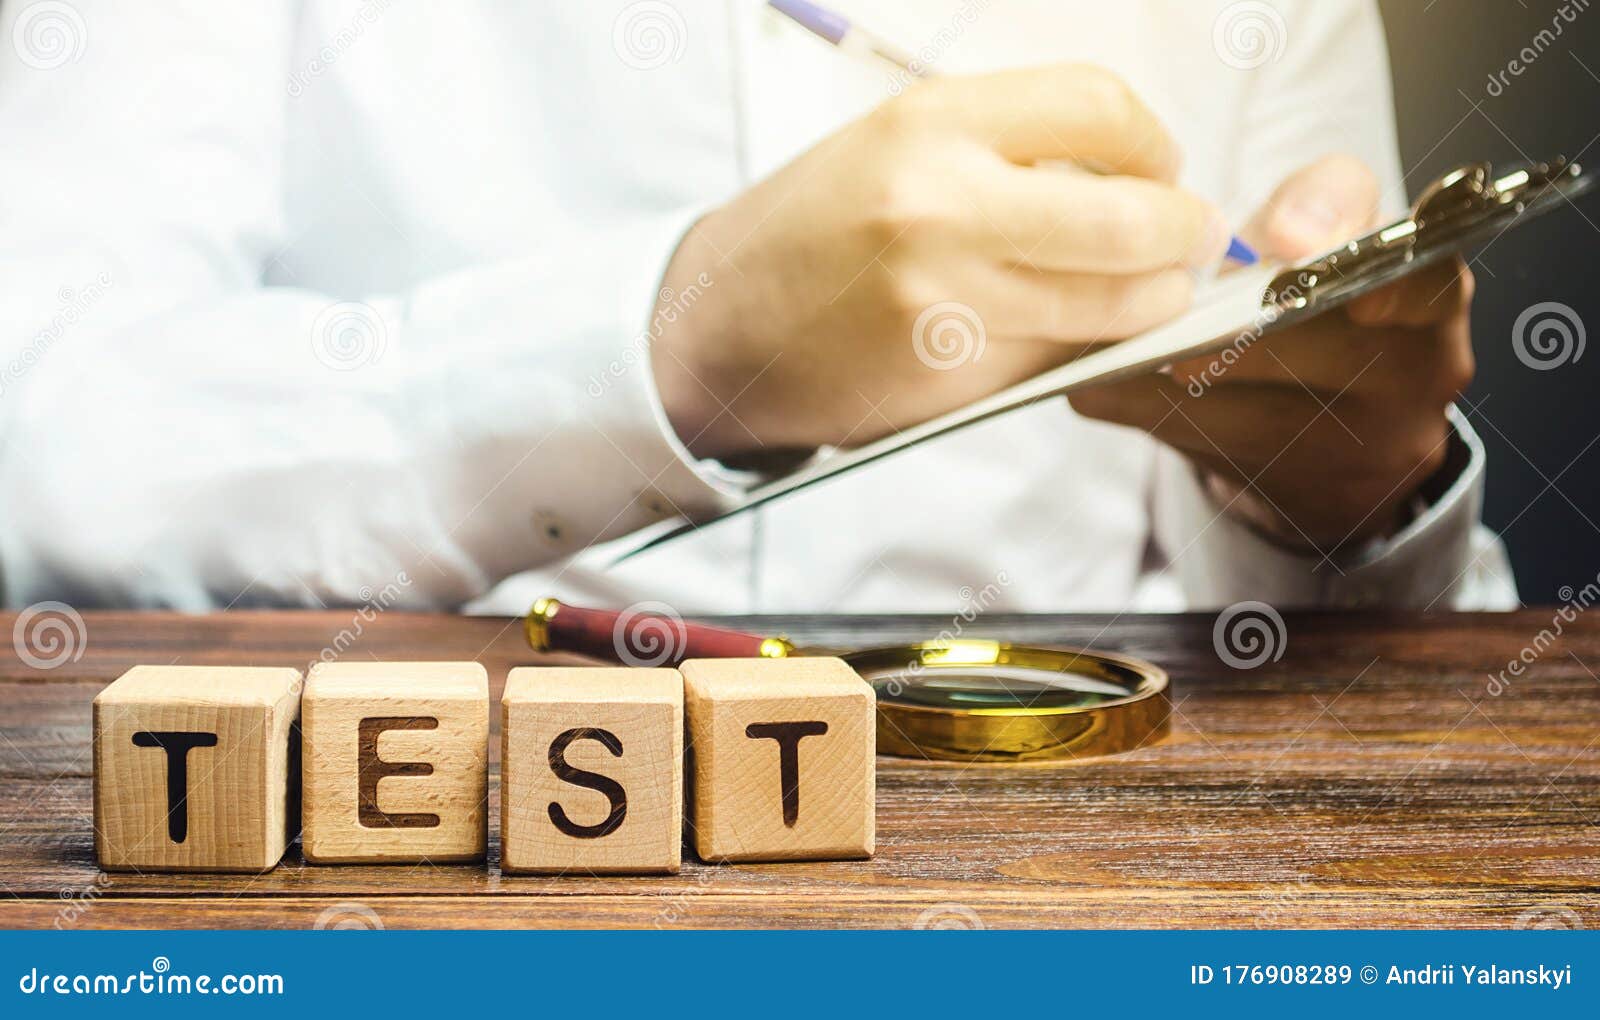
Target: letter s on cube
column 591, row 776
column 192, row 768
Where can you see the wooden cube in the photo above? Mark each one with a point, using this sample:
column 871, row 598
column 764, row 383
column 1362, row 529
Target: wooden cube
column 783, row 760
column 591, row 771
column 396, row 762
column 192, row 768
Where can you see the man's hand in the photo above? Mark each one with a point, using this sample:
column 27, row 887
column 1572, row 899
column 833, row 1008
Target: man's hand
column 1320, row 434
column 924, row 237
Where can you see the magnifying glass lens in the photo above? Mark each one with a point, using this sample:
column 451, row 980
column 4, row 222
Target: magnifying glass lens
column 996, row 686
column 975, row 699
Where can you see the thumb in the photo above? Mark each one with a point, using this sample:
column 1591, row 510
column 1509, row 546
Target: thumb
column 1318, row 206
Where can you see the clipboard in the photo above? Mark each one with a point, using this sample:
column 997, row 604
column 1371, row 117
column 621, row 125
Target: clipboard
column 1467, row 206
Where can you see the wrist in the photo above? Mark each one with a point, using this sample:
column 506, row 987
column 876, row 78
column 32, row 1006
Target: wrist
column 1259, row 514
column 686, row 332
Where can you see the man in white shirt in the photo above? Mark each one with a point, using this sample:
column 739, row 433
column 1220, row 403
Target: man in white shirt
column 298, row 299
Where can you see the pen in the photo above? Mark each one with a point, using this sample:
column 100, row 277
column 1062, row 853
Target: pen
column 840, row 32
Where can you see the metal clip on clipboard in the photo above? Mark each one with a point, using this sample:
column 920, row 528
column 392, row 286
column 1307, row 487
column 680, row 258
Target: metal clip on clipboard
column 1462, row 208
column 1466, row 206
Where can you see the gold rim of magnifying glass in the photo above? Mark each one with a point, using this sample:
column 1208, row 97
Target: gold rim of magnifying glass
column 1018, row 733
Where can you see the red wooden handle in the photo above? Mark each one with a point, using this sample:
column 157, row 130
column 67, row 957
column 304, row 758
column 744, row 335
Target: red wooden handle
column 639, row 635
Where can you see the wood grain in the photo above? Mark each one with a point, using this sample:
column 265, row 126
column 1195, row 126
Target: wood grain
column 782, row 753
column 395, row 762
column 624, row 728
column 1368, row 778
column 192, row 768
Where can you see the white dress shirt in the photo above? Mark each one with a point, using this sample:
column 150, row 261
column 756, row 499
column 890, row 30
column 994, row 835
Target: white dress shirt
column 297, row 299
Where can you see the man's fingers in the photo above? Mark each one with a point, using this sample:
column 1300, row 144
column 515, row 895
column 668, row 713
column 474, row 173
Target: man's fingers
column 1222, row 425
column 1413, row 338
column 1072, row 112
column 1144, row 402
column 1426, row 297
column 1071, row 222
column 1394, row 363
column 1320, row 205
column 1158, row 405
column 1080, row 308
column 1324, row 356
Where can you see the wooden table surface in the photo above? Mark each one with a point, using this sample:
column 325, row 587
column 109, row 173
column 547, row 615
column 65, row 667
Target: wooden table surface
column 1368, row 778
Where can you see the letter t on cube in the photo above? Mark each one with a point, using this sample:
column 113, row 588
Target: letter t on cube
column 192, row 768
column 783, row 759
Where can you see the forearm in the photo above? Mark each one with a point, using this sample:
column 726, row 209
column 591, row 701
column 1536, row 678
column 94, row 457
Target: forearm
column 277, row 447
column 1441, row 558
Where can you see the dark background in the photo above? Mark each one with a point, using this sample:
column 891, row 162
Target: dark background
column 1540, row 427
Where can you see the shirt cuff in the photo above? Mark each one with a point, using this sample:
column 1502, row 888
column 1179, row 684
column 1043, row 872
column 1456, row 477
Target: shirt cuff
column 725, row 484
column 631, row 472
column 691, row 487
column 1443, row 559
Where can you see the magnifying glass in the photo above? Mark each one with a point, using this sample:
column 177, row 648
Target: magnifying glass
column 958, row 699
